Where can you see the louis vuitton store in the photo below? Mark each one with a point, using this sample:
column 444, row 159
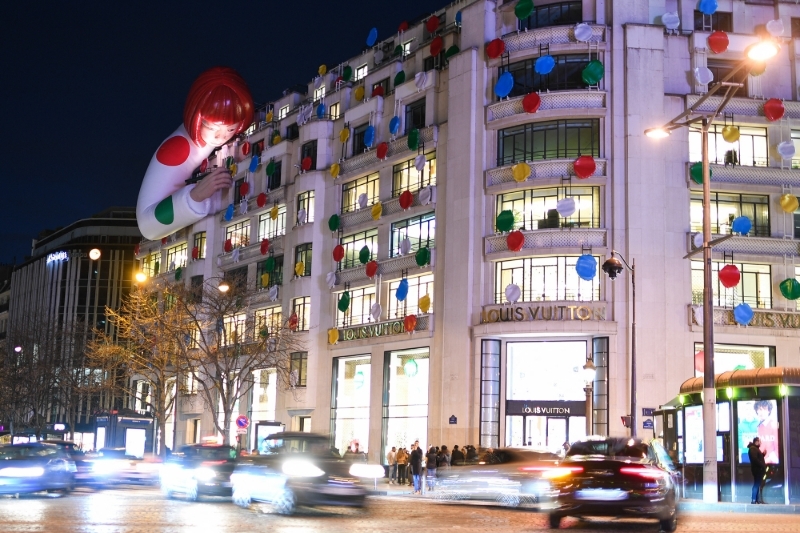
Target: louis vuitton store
column 533, row 391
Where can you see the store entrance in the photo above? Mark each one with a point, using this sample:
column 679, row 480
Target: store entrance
column 543, row 432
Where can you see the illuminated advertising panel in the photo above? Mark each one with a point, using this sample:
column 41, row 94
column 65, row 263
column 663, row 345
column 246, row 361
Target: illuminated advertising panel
column 758, row 418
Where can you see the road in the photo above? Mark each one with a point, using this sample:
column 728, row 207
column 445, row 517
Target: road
column 146, row 511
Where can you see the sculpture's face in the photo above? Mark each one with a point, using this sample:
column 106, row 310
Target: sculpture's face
column 217, row 133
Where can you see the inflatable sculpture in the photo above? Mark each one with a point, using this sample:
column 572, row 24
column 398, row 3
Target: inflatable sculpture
column 218, row 107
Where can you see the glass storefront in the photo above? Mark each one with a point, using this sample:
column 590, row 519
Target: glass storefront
column 265, row 388
column 405, row 404
column 545, row 398
column 729, row 357
column 350, row 402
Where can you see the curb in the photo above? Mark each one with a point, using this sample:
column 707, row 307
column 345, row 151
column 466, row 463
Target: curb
column 746, row 508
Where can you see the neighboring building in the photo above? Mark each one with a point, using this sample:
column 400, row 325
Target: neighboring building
column 5, row 295
column 63, row 287
column 477, row 370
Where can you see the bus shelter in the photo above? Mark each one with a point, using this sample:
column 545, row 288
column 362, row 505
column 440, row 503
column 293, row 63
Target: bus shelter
column 762, row 402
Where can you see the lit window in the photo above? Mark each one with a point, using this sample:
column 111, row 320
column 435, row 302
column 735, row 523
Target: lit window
column 417, row 288
column 200, row 244
column 407, row 178
column 302, row 308
column 238, row 234
column 275, row 274
column 726, row 207
column 334, row 111
column 545, row 279
column 319, row 92
column 302, row 253
column 407, row 47
column 352, row 190
column 754, row 288
column 354, row 243
column 269, row 319
column 419, row 230
column 268, row 228
column 176, row 257
column 537, row 208
column 298, row 369
column 553, row 139
column 749, row 151
column 283, row 112
column 233, row 329
column 305, row 201
column 150, row 264
column 358, row 312
column 361, row 72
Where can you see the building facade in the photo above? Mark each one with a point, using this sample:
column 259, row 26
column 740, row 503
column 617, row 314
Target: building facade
column 62, row 291
column 388, row 176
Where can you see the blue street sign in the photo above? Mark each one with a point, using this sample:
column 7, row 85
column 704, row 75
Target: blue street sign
column 648, row 424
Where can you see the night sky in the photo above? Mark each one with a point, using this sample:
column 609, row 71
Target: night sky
column 90, row 89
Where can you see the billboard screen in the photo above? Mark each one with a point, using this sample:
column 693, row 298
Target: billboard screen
column 758, row 418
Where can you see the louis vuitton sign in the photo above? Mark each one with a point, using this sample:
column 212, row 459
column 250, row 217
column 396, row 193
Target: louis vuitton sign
column 543, row 312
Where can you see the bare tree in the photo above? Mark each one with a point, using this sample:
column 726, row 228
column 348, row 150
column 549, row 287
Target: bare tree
column 145, row 351
column 225, row 341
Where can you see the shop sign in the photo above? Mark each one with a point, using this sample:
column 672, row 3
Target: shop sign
column 135, row 421
column 530, row 313
column 761, row 319
column 380, row 329
column 63, row 255
column 545, row 408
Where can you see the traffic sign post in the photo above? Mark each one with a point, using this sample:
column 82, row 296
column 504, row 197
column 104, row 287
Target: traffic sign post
column 242, row 422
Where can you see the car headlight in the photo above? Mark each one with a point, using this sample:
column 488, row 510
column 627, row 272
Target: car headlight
column 300, row 468
column 12, row 471
column 110, row 466
column 204, row 474
column 370, row 471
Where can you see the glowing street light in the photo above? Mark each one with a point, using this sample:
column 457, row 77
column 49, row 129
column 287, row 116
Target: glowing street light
column 17, row 349
column 141, row 277
column 762, row 50
column 223, row 286
column 657, row 133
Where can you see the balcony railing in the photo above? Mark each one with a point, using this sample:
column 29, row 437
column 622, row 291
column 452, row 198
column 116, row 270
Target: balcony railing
column 741, row 106
column 389, row 266
column 396, row 147
column 550, row 238
column 532, row 39
column 752, row 175
column 549, row 168
column 249, row 252
column 390, row 207
column 582, row 99
column 751, row 245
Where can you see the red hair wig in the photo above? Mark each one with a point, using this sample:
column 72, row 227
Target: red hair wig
column 219, row 94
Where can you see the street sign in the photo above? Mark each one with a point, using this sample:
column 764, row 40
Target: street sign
column 242, row 422
column 648, row 424
column 241, row 431
column 648, row 411
column 453, row 419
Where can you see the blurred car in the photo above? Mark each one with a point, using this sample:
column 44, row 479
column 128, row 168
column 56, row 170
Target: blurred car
column 196, row 470
column 619, row 477
column 35, row 467
column 113, row 466
column 505, row 476
column 301, row 469
column 83, row 464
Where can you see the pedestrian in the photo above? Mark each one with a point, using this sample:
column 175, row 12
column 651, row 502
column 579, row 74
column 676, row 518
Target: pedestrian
column 472, row 453
column 431, row 465
column 391, row 460
column 758, row 467
column 254, row 452
column 566, row 448
column 443, row 459
column 402, row 462
column 457, row 457
column 416, row 468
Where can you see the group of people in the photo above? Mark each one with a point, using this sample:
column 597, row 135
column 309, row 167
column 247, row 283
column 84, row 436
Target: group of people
column 408, row 467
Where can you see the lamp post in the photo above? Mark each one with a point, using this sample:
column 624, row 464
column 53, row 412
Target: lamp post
column 589, row 371
column 612, row 266
column 756, row 53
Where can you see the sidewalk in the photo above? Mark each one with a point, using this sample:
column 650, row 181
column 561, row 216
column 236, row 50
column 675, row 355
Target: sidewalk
column 385, row 489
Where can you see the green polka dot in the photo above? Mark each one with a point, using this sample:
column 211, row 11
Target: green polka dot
column 164, row 211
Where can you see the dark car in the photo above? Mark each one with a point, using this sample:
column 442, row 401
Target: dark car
column 35, row 467
column 300, row 469
column 199, row 470
column 505, row 476
column 83, row 464
column 619, row 477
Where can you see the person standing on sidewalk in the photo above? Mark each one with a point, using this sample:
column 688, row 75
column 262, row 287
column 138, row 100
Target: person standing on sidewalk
column 391, row 460
column 402, row 462
column 758, row 467
column 416, row 468
column 431, row 462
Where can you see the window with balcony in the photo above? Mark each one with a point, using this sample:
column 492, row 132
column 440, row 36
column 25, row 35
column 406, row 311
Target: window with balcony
column 200, row 244
column 361, row 73
column 418, row 287
column 319, row 93
column 358, row 139
column 335, row 111
column 567, row 74
column 405, row 177
column 309, row 149
column 176, row 257
column 420, row 231
column 559, row 14
column 302, row 252
column 237, row 192
column 275, row 271
column 407, row 47
column 298, row 368
column 721, row 20
column 270, row 319
column 150, row 264
column 536, row 208
column 354, row 243
column 415, row 115
column 555, row 139
column 269, row 228
column 283, row 112
column 725, row 207
column 301, row 307
column 382, row 87
column 274, row 181
column 305, row 202
column 545, row 279
column 238, row 234
column 720, row 68
column 755, row 287
column 352, row 190
column 233, row 329
column 750, row 150
column 361, row 301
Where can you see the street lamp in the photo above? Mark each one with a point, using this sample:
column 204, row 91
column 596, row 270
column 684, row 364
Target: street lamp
column 612, row 267
column 141, row 277
column 18, row 349
column 755, row 53
column 589, row 371
column 223, row 286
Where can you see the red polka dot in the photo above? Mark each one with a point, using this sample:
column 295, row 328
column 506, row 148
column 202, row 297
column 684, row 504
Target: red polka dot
column 173, row 152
